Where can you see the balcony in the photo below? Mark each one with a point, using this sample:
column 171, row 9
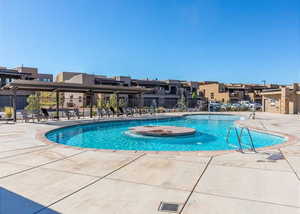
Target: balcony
column 236, row 95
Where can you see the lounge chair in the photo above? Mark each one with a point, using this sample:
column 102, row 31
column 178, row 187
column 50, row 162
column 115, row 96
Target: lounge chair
column 6, row 119
column 67, row 113
column 26, row 117
column 113, row 111
column 100, row 113
column 121, row 111
column 124, row 112
column 77, row 113
column 139, row 111
column 134, row 111
column 128, row 112
column 46, row 114
column 131, row 111
column 152, row 111
column 108, row 112
column 36, row 114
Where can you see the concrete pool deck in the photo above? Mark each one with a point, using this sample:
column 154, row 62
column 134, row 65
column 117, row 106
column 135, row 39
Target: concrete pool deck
column 40, row 177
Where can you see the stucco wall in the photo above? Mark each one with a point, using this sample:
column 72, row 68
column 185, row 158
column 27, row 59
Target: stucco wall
column 272, row 103
column 215, row 89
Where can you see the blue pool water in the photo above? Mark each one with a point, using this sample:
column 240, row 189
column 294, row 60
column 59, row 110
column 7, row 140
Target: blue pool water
column 210, row 135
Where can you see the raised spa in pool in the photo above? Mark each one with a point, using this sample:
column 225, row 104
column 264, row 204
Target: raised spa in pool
column 211, row 131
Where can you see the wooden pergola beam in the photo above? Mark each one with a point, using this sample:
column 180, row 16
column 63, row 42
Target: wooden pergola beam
column 32, row 85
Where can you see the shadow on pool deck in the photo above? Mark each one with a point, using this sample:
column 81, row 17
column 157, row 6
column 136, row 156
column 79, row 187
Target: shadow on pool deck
column 12, row 203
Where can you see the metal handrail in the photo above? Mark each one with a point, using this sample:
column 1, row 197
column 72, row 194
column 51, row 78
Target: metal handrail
column 250, row 137
column 239, row 137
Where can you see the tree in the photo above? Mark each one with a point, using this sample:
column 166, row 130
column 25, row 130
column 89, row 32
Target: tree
column 113, row 101
column 47, row 99
column 101, row 103
column 194, row 95
column 194, row 99
column 33, row 103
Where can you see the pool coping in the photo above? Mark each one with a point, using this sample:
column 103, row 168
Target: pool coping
column 290, row 139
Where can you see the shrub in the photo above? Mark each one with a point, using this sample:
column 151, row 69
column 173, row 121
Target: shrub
column 161, row 109
column 8, row 111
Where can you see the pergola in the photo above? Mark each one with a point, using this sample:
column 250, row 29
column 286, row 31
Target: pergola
column 32, row 85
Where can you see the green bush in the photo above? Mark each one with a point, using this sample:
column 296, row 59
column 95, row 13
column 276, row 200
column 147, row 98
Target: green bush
column 113, row 101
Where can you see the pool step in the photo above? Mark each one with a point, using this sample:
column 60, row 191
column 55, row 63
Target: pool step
column 239, row 138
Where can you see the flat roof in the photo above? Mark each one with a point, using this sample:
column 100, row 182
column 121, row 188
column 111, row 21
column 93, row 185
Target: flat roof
column 12, row 72
column 33, row 85
column 149, row 82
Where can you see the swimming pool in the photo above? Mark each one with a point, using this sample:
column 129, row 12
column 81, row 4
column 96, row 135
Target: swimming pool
column 211, row 131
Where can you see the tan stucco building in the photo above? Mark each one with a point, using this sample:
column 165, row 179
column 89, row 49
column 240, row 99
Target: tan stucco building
column 8, row 75
column 284, row 100
column 232, row 93
column 165, row 93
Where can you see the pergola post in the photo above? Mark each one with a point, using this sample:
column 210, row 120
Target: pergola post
column 141, row 103
column 57, row 105
column 14, row 103
column 91, row 104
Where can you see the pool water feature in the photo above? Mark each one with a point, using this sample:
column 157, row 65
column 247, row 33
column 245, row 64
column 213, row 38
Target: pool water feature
column 211, row 131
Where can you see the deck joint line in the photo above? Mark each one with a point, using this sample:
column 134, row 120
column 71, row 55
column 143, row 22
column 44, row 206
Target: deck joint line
column 247, row 199
column 261, row 169
column 197, row 182
column 35, row 167
column 263, row 125
column 31, row 147
column 294, row 171
column 150, row 185
column 93, row 182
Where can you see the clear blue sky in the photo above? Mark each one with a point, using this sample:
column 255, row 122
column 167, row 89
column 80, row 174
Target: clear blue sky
column 224, row 40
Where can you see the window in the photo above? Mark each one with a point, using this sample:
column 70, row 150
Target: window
column 173, row 90
column 97, row 82
column 222, row 88
column 8, row 80
column 273, row 102
column 44, row 79
column 212, row 95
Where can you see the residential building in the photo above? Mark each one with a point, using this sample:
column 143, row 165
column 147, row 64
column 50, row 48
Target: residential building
column 80, row 99
column 284, row 100
column 8, row 75
column 232, row 93
column 165, row 93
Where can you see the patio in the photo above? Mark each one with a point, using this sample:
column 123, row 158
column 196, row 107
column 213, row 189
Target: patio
column 41, row 177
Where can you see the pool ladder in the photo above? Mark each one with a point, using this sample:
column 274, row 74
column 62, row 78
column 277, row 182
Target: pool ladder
column 239, row 138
